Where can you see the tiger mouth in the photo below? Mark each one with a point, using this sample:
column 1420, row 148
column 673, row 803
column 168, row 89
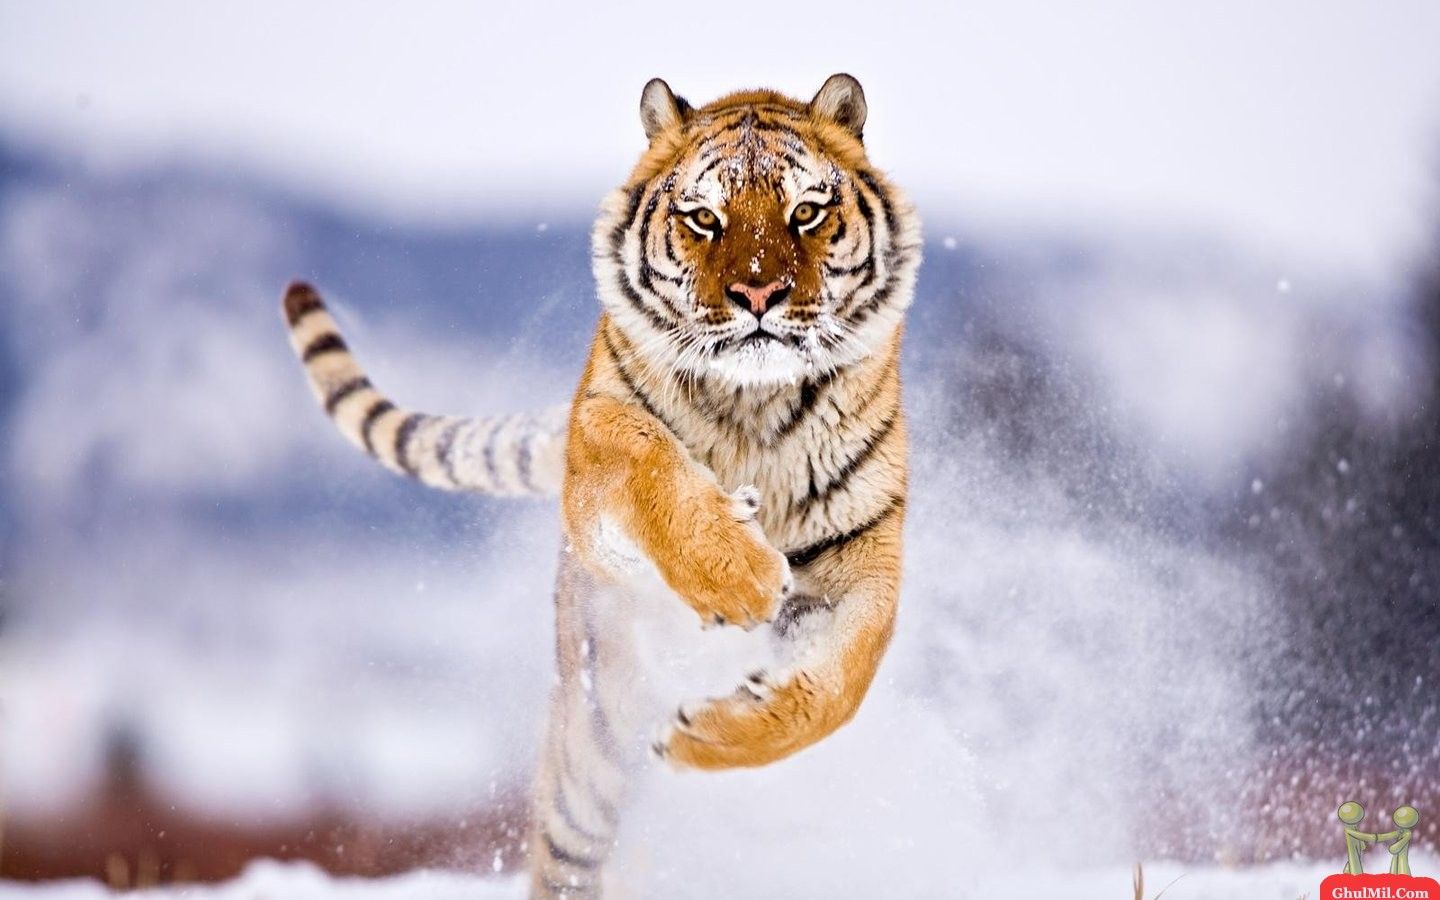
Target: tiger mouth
column 759, row 337
column 756, row 337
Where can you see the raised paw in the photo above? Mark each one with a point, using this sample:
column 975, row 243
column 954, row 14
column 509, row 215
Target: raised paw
column 767, row 718
column 718, row 561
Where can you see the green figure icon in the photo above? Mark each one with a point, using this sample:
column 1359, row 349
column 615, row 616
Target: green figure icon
column 1405, row 818
column 1350, row 814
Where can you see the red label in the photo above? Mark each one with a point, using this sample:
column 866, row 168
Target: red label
column 1379, row 887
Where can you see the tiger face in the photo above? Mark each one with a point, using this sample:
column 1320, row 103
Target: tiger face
column 754, row 242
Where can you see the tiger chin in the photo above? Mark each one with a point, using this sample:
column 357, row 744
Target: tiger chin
column 734, row 456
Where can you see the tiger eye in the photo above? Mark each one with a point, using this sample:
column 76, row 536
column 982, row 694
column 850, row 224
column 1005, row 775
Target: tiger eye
column 705, row 217
column 803, row 213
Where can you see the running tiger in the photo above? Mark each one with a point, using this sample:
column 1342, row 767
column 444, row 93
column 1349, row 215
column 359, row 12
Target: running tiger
column 736, row 445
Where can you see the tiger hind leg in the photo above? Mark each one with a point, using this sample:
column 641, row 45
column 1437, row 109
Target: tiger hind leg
column 574, row 817
column 586, row 762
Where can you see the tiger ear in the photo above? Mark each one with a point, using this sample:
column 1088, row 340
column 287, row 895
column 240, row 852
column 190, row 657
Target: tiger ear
column 660, row 109
column 842, row 101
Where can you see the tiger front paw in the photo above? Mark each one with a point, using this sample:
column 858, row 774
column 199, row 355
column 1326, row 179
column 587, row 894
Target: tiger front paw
column 766, row 719
column 719, row 562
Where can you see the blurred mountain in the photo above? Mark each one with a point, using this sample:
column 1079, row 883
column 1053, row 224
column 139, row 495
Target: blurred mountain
column 1347, row 526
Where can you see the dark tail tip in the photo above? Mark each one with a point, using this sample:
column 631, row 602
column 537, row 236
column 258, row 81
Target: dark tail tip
column 300, row 300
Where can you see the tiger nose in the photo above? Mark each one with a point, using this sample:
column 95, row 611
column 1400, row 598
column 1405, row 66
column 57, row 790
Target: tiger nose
column 759, row 300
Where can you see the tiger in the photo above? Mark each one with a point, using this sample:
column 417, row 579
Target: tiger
column 736, row 441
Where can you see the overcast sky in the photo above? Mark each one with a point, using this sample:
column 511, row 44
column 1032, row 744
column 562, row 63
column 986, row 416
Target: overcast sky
column 1308, row 128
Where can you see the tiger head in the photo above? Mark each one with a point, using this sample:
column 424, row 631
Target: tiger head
column 754, row 242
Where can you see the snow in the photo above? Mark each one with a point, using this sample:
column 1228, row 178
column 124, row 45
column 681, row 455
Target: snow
column 281, row 624
column 268, row 880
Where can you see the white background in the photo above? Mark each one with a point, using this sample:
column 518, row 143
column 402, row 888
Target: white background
column 1306, row 128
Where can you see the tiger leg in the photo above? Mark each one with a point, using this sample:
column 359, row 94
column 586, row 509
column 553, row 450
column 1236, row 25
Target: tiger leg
column 835, row 643
column 575, row 814
column 588, row 756
column 628, row 477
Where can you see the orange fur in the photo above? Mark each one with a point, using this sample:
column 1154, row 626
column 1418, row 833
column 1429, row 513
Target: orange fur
column 809, row 704
column 622, row 462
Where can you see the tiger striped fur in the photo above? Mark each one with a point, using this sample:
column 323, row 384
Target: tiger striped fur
column 737, row 440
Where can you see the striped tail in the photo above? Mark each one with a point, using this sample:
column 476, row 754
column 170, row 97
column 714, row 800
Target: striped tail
column 504, row 455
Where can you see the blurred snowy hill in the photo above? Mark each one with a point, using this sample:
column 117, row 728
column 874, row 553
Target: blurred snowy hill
column 1157, row 549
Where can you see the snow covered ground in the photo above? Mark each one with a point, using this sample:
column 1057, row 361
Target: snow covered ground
column 266, row 880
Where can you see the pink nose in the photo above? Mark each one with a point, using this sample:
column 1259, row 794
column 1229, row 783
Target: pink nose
column 760, row 299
